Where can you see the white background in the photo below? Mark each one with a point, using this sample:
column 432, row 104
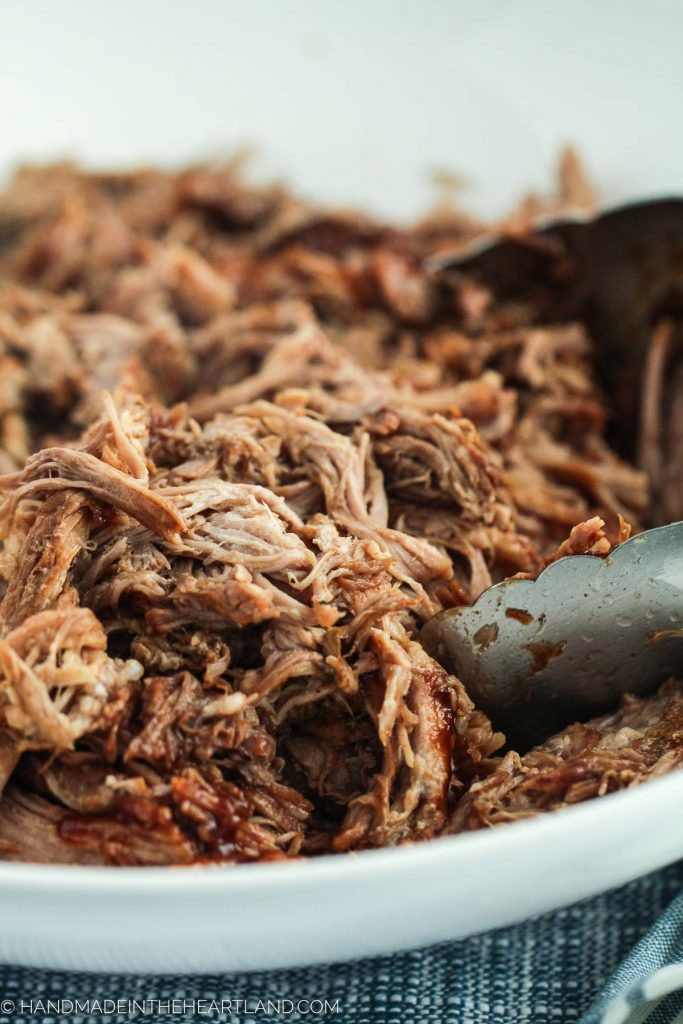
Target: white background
column 354, row 101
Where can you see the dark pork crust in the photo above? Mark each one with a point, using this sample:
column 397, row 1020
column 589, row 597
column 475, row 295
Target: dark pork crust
column 247, row 448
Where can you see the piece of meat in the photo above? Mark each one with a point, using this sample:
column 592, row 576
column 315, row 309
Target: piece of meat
column 200, row 818
column 184, row 722
column 37, row 561
column 38, row 569
column 8, row 757
column 29, row 831
column 56, row 677
column 587, row 538
column 141, row 833
column 80, row 470
column 425, row 715
column 641, row 740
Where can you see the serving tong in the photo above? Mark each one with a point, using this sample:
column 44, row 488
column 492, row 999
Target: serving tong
column 539, row 654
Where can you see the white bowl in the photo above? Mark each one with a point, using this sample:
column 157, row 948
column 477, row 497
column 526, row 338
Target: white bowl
column 334, row 908
column 353, row 103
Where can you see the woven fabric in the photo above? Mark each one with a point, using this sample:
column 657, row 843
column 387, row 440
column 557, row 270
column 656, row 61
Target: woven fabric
column 648, row 985
column 546, row 970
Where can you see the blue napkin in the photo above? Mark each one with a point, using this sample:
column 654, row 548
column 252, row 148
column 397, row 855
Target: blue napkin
column 549, row 969
column 648, row 985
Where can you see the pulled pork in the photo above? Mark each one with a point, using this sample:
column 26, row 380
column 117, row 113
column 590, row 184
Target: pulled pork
column 247, row 448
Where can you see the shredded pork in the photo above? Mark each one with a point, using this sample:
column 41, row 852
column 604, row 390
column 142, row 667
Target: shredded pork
column 247, row 447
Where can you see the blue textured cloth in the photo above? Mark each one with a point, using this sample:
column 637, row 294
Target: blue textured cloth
column 593, row 963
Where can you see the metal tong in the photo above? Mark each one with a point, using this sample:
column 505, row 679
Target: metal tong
column 537, row 655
